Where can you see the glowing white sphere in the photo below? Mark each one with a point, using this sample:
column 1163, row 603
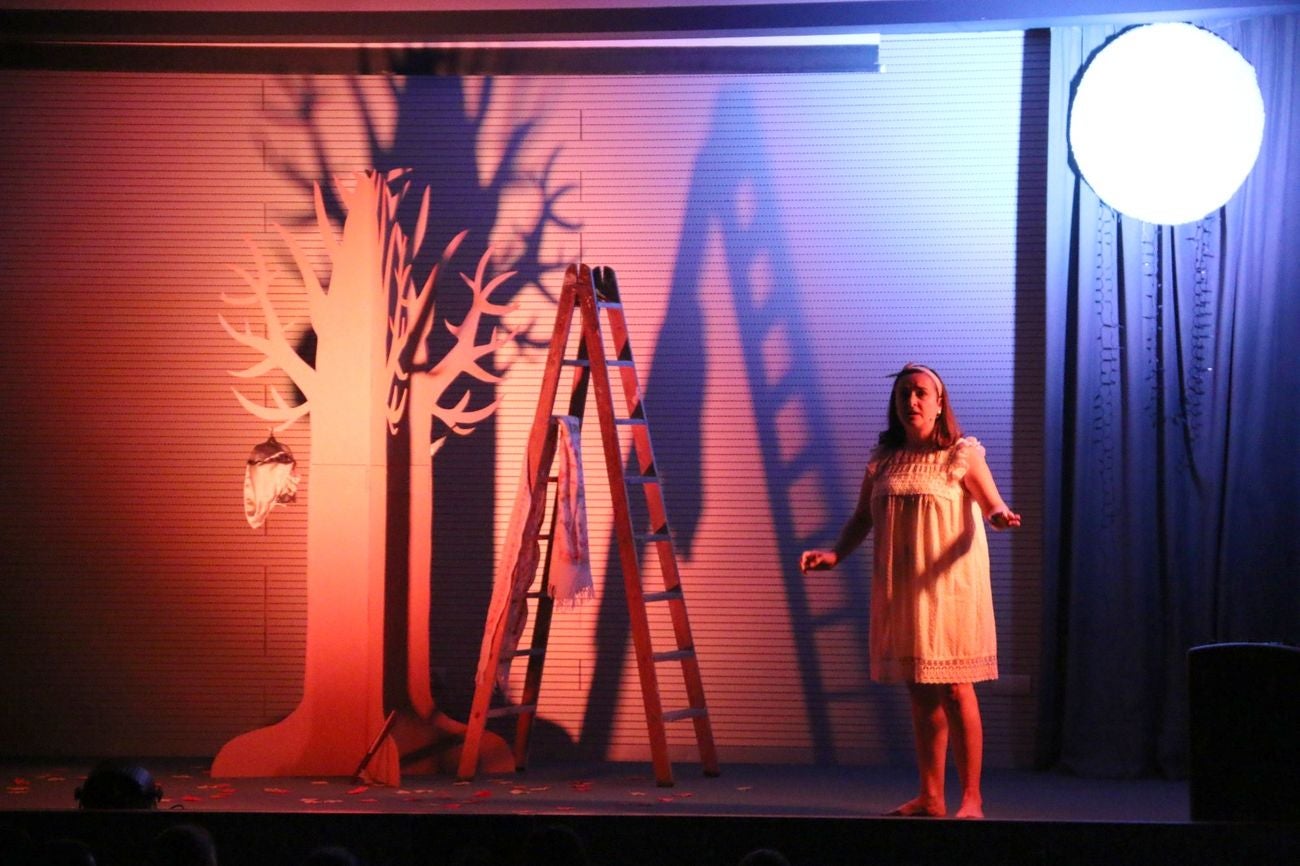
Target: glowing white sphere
column 1166, row 123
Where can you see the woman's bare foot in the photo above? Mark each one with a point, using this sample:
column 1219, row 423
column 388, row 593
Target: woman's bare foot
column 971, row 807
column 921, row 807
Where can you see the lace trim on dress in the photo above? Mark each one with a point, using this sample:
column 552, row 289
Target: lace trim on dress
column 936, row 473
column 928, row 481
column 965, row 670
column 959, row 461
column 902, row 460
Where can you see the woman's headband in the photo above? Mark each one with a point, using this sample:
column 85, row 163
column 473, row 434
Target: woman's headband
column 921, row 368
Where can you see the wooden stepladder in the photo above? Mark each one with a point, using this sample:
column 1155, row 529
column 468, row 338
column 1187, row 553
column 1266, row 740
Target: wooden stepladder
column 593, row 294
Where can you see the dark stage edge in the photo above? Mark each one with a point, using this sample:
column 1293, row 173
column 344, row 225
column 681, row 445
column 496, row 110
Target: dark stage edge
column 817, row 816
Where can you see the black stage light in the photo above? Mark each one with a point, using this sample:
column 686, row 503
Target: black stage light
column 118, row 784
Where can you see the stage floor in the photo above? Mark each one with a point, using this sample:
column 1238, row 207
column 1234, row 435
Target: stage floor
column 818, row 816
column 771, row 790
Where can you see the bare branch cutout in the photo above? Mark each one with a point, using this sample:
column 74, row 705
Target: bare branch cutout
column 410, row 321
column 276, row 351
column 465, row 355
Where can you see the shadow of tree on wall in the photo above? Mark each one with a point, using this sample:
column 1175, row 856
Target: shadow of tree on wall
column 732, row 200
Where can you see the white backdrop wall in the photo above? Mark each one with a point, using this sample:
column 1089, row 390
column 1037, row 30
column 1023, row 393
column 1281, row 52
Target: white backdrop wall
column 783, row 242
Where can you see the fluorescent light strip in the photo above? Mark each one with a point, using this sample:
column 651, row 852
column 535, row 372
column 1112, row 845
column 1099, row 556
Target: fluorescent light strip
column 798, row 41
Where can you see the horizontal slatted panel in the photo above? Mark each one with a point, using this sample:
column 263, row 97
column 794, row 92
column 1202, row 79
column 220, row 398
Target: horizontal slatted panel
column 148, row 616
column 782, row 242
column 822, row 231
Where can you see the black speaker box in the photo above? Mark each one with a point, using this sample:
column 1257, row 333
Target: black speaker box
column 1244, row 718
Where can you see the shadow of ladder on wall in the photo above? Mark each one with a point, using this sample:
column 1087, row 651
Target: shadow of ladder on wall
column 593, row 293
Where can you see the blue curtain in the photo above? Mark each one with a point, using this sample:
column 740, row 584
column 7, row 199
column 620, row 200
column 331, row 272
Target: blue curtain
column 1173, row 432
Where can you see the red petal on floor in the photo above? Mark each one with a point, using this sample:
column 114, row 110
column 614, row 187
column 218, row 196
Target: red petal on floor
column 359, row 790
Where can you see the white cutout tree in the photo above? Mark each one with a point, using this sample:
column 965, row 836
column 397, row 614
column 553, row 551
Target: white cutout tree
column 372, row 325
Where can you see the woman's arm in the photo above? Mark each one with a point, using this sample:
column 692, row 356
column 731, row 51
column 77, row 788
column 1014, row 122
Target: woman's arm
column 854, row 532
column 978, row 481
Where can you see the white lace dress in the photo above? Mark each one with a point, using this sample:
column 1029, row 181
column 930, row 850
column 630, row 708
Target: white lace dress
column 931, row 597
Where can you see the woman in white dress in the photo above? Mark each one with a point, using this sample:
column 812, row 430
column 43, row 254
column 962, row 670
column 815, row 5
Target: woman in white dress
column 926, row 492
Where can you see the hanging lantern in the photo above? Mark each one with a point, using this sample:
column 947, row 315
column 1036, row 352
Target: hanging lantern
column 268, row 480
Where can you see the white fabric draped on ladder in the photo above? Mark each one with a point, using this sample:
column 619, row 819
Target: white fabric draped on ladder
column 570, row 567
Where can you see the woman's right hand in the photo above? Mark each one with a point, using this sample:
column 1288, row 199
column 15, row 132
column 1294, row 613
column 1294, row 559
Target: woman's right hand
column 818, row 560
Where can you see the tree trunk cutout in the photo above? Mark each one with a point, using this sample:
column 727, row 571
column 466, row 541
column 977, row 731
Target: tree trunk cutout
column 371, row 327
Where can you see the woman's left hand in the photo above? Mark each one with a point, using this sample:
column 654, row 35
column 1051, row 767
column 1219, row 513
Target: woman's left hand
column 1004, row 518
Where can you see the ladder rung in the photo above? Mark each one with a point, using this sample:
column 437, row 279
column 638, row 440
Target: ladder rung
column 609, row 305
column 674, row 655
column 661, row 535
column 616, row 363
column 665, row 595
column 843, row 696
column 688, row 713
column 521, row 653
column 575, row 362
column 511, row 710
column 641, row 479
column 534, row 593
column 630, row 422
